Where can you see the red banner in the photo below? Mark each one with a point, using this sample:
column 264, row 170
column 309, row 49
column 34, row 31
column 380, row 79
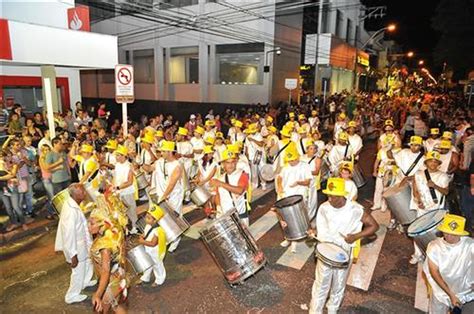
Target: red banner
column 78, row 18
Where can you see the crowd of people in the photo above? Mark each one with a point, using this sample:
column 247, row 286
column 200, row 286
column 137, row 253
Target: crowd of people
column 425, row 140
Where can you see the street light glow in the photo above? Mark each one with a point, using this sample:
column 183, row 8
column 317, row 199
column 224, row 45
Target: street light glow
column 391, row 27
column 421, row 62
column 410, row 54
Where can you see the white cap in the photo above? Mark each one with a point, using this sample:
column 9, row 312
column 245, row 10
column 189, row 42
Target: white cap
column 192, row 116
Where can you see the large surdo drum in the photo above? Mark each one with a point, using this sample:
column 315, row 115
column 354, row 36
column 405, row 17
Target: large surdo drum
column 424, row 229
column 398, row 200
column 294, row 212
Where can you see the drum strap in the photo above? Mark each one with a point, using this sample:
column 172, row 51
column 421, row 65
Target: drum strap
column 312, row 158
column 413, row 164
column 232, row 198
column 432, row 190
column 281, row 150
column 345, row 152
column 302, row 146
column 151, row 230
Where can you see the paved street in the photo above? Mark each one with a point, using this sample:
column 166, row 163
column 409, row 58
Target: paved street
column 36, row 278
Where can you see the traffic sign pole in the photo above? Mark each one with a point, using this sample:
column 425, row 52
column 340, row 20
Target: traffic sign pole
column 124, row 119
column 124, row 91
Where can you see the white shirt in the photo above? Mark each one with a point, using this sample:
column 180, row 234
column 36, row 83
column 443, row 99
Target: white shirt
column 430, row 143
column 336, row 155
column 291, row 174
column 229, row 200
column 455, row 264
column 439, row 178
column 356, row 142
column 121, row 172
column 405, row 158
column 198, row 144
column 351, row 188
column 110, row 158
column 334, row 223
column 185, row 148
column 163, row 171
column 73, row 237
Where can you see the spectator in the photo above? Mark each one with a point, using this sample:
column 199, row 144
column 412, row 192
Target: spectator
column 20, row 159
column 14, row 125
column 3, row 119
column 32, row 130
column 46, row 140
column 18, row 109
column 57, row 161
column 46, row 176
column 39, row 121
column 70, row 120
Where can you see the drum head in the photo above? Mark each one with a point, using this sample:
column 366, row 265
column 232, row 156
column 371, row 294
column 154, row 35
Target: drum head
column 289, row 201
column 332, row 252
column 426, row 222
column 267, row 173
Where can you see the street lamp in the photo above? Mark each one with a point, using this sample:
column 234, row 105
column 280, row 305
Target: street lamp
column 266, row 67
column 410, row 54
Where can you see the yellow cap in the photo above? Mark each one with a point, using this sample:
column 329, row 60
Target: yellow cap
column 156, row 212
column 309, row 143
column 447, row 135
column 199, row 130
column 219, row 135
column 314, row 113
column 453, row 224
column 269, row 119
column 301, row 117
column 291, row 154
column 210, row 123
column 290, row 125
column 159, row 133
column 445, row 144
column 272, row 129
column 352, row 124
column 251, row 129
column 234, row 148
column 148, row 138
column 416, row 140
column 167, row 146
column 291, row 114
column 388, row 123
column 210, row 140
column 238, row 123
column 433, row 155
column 122, row 150
column 434, row 131
column 342, row 115
column 182, row 131
column 336, row 187
column 302, row 130
column 86, row 148
column 148, row 130
column 111, row 144
column 227, row 154
column 208, row 149
column 346, row 165
column 343, row 136
column 285, row 132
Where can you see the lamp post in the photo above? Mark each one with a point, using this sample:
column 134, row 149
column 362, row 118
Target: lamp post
column 277, row 50
column 390, row 28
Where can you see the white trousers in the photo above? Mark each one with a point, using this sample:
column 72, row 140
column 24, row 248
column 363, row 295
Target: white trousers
column 312, row 201
column 328, row 281
column 158, row 270
column 379, row 201
column 81, row 276
column 129, row 201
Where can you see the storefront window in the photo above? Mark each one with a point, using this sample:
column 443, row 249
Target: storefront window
column 144, row 66
column 240, row 64
column 184, row 65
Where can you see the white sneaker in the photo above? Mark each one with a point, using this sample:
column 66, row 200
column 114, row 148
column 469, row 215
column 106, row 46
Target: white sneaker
column 293, row 247
column 173, row 246
column 285, row 243
column 415, row 259
column 91, row 283
column 392, row 225
column 76, row 299
column 134, row 230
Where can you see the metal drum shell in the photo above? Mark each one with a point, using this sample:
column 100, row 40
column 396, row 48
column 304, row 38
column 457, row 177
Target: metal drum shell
column 398, row 200
column 267, row 172
column 142, row 182
column 199, row 195
column 328, row 261
column 139, row 259
column 388, row 178
column 294, row 212
column 61, row 198
column 232, row 247
column 173, row 225
column 424, row 237
column 325, row 171
column 358, row 177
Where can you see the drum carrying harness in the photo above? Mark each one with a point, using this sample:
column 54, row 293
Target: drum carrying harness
column 432, row 190
column 280, row 151
column 413, row 164
column 241, row 216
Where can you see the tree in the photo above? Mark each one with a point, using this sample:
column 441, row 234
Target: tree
column 454, row 19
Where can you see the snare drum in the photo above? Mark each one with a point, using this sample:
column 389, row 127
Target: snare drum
column 142, row 182
column 267, row 173
column 358, row 177
column 332, row 255
column 424, row 229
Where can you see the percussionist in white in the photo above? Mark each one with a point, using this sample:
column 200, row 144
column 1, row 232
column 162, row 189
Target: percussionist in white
column 341, row 222
column 74, row 239
column 449, row 268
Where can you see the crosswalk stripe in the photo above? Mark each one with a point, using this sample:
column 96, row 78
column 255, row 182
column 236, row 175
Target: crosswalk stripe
column 263, row 224
column 193, row 231
column 299, row 258
column 421, row 293
column 361, row 272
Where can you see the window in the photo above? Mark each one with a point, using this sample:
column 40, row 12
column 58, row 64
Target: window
column 170, row 4
column 349, row 27
column 144, row 65
column 240, row 64
column 339, row 21
column 184, row 65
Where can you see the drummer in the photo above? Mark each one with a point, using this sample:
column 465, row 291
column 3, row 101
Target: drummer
column 231, row 188
column 283, row 144
column 123, row 182
column 341, row 222
column 184, row 150
column 238, row 135
column 255, row 151
column 88, row 164
column 210, row 129
column 219, row 145
column 303, row 123
column 303, row 140
column 314, row 161
column 408, row 160
column 169, row 181
column 207, row 169
column 345, row 171
column 433, row 140
column 449, row 157
column 314, row 120
column 340, row 125
column 198, row 142
column 449, row 267
column 109, row 157
column 354, row 140
column 242, row 161
column 389, row 138
column 429, row 190
column 340, row 152
column 294, row 179
column 146, row 157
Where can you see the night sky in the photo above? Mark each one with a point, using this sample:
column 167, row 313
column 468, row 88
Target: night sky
column 413, row 20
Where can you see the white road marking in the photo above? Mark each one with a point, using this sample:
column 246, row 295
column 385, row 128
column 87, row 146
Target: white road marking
column 193, row 231
column 361, row 272
column 263, row 224
column 299, row 258
column 421, row 293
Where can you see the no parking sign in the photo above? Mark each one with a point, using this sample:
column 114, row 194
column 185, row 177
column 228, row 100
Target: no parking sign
column 124, row 90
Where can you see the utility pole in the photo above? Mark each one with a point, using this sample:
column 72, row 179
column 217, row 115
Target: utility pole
column 318, row 32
